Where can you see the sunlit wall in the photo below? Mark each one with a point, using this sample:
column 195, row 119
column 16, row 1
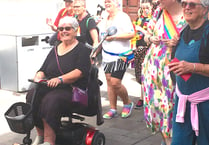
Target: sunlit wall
column 29, row 16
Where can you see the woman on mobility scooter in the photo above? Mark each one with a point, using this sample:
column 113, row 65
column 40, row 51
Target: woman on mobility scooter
column 68, row 64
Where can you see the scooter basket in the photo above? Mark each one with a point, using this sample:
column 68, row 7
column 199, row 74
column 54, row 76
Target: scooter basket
column 19, row 117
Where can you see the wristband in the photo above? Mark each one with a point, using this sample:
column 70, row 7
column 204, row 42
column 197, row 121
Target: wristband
column 60, row 78
column 194, row 67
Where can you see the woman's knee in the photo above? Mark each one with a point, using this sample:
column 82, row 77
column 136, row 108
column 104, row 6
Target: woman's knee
column 58, row 101
column 116, row 83
column 30, row 95
column 51, row 102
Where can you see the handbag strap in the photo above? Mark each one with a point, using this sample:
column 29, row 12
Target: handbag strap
column 58, row 64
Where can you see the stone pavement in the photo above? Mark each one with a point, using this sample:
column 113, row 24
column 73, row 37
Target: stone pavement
column 117, row 131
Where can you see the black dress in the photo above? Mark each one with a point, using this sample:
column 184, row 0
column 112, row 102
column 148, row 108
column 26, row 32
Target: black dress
column 51, row 104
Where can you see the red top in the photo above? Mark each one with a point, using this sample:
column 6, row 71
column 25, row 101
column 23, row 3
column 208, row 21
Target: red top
column 63, row 12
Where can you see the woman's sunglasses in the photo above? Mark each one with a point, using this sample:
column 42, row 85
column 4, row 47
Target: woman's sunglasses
column 66, row 28
column 191, row 5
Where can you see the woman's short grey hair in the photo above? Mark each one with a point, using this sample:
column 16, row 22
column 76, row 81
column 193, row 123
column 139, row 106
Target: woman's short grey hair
column 69, row 20
column 205, row 3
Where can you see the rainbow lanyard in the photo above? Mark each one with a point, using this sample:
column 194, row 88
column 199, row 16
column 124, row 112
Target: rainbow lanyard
column 169, row 26
column 125, row 56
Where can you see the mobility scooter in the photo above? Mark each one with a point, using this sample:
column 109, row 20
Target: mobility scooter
column 20, row 120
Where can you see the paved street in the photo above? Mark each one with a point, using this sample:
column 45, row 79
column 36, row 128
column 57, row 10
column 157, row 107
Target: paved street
column 118, row 131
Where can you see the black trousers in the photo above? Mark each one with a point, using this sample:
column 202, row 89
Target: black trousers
column 51, row 105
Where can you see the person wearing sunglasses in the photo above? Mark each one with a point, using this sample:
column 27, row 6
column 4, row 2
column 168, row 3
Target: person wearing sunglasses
column 158, row 88
column 191, row 66
column 66, row 11
column 68, row 64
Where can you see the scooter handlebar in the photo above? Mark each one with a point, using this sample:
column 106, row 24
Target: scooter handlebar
column 43, row 81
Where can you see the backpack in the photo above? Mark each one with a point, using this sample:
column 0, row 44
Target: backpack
column 87, row 22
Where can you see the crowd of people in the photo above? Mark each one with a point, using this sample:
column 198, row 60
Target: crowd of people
column 171, row 62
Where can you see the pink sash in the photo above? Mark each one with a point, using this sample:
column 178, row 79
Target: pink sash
column 195, row 98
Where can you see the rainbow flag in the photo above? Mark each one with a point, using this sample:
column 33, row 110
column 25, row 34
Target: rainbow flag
column 127, row 56
column 169, row 26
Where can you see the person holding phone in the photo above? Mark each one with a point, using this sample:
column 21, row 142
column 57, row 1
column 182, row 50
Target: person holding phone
column 191, row 66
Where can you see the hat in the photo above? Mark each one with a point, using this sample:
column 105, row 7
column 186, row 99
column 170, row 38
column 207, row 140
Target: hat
column 68, row 0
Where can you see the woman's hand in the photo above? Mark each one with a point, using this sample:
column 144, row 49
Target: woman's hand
column 37, row 80
column 93, row 59
column 154, row 39
column 54, row 82
column 181, row 67
column 110, row 38
column 49, row 22
column 139, row 28
column 171, row 42
column 39, row 76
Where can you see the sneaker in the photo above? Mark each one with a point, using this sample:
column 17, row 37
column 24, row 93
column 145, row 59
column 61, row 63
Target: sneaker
column 127, row 109
column 110, row 114
column 139, row 104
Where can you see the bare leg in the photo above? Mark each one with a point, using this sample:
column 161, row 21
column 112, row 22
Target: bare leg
column 40, row 132
column 167, row 140
column 120, row 90
column 111, row 94
column 49, row 134
column 115, row 88
column 40, row 136
column 142, row 96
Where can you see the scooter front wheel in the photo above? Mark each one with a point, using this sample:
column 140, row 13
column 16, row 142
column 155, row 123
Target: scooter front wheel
column 98, row 139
